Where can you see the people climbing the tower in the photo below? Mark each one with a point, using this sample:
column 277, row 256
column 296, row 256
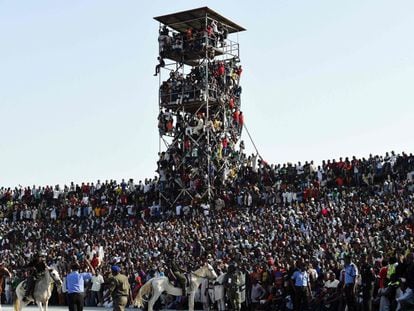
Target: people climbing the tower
column 191, row 153
column 165, row 122
column 159, row 66
column 223, row 84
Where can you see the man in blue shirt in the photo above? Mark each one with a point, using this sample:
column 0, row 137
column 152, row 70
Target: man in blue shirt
column 350, row 277
column 75, row 285
column 301, row 286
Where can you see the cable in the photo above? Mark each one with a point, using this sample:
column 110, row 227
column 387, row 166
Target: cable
column 251, row 139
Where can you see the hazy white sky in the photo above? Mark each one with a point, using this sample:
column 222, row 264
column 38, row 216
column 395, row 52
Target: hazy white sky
column 78, row 101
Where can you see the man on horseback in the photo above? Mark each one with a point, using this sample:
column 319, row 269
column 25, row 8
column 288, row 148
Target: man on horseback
column 36, row 268
column 179, row 274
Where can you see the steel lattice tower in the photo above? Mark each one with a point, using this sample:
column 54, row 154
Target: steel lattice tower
column 199, row 120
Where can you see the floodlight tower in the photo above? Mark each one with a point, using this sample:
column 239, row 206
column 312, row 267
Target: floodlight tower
column 199, row 119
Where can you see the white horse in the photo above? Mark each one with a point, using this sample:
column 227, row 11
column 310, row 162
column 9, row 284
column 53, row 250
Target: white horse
column 159, row 285
column 42, row 290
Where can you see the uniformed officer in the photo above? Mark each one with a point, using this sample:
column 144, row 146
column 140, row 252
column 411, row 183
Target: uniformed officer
column 231, row 283
column 119, row 288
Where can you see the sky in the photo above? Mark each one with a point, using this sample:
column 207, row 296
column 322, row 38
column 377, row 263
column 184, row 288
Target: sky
column 78, row 100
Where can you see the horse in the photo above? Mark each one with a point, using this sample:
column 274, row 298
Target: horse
column 42, row 290
column 158, row 285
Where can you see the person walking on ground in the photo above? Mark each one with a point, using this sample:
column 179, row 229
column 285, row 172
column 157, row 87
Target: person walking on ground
column 119, row 288
column 75, row 285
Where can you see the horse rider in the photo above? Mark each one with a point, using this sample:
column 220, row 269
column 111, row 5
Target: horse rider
column 179, row 274
column 36, row 268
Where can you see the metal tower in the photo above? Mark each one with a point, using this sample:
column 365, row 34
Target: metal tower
column 199, row 120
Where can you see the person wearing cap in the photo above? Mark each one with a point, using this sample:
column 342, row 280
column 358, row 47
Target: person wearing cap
column 75, row 285
column 119, row 289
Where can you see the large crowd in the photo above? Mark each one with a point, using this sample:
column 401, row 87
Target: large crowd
column 201, row 138
column 268, row 221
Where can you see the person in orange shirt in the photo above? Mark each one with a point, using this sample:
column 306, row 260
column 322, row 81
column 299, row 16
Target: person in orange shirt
column 97, row 211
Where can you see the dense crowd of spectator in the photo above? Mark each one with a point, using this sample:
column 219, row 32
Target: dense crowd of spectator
column 184, row 164
column 270, row 220
column 201, row 142
column 192, row 42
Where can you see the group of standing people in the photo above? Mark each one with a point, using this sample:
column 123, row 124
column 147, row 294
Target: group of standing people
column 74, row 284
column 118, row 284
column 267, row 220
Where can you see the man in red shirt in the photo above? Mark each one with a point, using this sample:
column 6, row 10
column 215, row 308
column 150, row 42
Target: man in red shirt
column 241, row 121
column 236, row 115
column 95, row 261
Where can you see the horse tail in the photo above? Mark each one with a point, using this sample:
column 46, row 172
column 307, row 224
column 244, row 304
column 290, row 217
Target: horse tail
column 16, row 304
column 144, row 290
